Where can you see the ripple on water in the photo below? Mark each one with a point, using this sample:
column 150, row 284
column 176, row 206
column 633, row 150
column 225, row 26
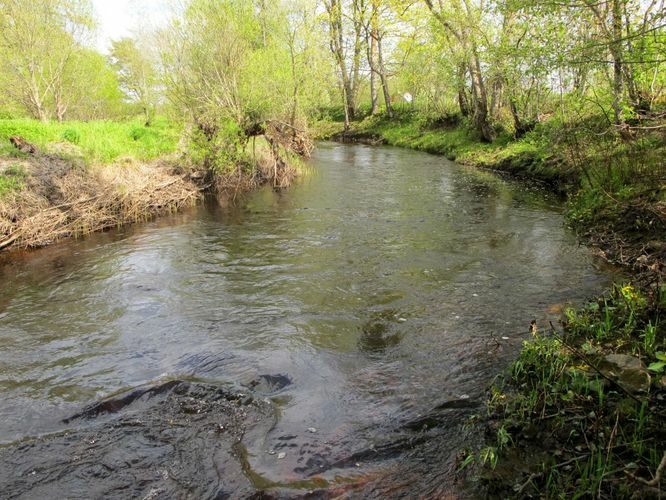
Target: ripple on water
column 366, row 302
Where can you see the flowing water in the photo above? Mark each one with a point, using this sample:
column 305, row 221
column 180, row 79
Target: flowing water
column 363, row 312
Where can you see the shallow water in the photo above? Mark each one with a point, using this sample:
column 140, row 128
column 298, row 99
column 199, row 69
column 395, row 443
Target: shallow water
column 376, row 289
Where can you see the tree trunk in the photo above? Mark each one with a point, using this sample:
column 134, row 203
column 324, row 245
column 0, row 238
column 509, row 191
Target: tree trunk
column 356, row 61
column 481, row 120
column 384, row 80
column 616, row 53
column 496, row 97
column 334, row 10
column 463, row 101
column 374, row 96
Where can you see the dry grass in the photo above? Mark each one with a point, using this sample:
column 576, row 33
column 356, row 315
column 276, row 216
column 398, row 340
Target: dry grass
column 62, row 199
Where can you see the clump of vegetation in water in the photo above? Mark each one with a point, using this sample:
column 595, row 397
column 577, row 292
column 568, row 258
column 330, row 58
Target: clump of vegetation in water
column 582, row 412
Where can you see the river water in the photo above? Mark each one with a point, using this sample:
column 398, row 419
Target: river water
column 369, row 306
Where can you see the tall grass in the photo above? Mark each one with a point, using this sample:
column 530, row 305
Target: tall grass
column 95, row 141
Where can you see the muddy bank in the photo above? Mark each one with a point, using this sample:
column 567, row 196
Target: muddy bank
column 175, row 440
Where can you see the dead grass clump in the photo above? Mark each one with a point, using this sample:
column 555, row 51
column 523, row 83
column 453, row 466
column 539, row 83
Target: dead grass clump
column 62, row 199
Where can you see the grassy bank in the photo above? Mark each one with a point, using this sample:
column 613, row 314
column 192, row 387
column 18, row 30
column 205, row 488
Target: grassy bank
column 582, row 412
column 94, row 141
column 62, row 180
column 529, row 158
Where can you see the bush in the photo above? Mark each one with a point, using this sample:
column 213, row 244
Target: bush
column 71, row 135
column 137, row 133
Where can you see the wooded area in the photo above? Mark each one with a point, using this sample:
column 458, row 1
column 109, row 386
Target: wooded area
column 234, row 63
column 226, row 95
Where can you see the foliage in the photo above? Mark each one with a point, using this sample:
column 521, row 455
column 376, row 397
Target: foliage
column 555, row 398
column 38, row 43
column 137, row 75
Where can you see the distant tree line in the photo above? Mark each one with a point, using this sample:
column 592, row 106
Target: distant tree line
column 230, row 66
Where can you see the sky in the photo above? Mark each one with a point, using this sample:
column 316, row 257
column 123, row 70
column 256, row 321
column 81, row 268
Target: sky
column 119, row 18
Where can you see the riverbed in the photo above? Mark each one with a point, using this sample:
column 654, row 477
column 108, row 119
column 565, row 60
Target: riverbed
column 354, row 320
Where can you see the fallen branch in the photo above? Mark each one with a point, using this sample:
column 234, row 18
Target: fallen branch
column 657, row 475
column 10, row 240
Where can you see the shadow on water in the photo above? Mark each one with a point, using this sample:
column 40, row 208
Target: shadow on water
column 361, row 314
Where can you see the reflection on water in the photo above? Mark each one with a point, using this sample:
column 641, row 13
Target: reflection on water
column 373, row 286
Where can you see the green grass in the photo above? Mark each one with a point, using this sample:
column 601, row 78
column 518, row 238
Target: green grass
column 95, row 141
column 12, row 179
column 529, row 157
column 580, row 432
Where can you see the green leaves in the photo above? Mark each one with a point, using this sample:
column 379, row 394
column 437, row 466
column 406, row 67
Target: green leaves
column 660, row 365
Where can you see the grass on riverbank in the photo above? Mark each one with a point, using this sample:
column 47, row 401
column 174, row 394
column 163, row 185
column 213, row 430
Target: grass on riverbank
column 529, row 158
column 69, row 179
column 72, row 178
column 582, row 412
column 94, row 141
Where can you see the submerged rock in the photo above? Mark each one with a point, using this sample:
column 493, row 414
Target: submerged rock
column 175, row 440
column 628, row 371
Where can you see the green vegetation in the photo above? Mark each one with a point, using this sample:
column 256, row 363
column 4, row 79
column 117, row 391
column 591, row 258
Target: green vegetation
column 575, row 420
column 95, row 141
column 12, row 179
column 529, row 157
column 570, row 94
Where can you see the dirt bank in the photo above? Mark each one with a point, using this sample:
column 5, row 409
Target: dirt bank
column 57, row 198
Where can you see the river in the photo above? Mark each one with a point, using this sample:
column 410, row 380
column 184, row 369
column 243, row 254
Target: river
column 365, row 310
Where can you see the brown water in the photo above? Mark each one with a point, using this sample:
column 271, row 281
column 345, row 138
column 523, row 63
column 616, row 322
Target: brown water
column 374, row 292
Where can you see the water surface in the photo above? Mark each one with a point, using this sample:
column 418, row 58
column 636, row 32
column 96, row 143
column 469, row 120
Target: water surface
column 378, row 287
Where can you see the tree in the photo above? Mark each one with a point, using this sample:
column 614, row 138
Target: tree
column 235, row 70
column 93, row 88
column 461, row 20
column 137, row 74
column 38, row 39
column 345, row 42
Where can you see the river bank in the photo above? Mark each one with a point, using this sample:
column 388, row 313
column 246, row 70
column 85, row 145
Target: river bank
column 615, row 187
column 581, row 411
column 69, row 180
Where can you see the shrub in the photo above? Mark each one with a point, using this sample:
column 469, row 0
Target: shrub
column 71, row 135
